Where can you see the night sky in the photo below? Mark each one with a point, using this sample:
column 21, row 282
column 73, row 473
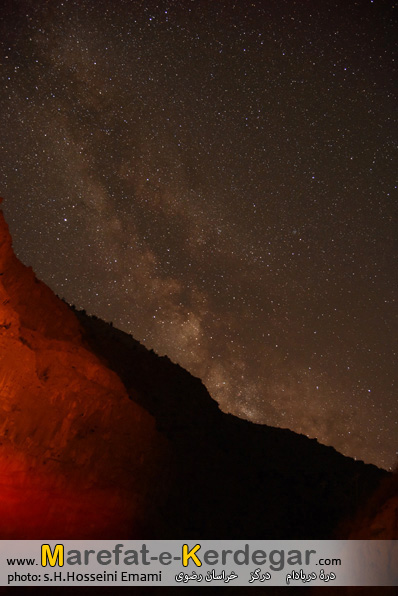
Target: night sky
column 217, row 179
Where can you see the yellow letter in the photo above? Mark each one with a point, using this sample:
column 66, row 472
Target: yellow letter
column 52, row 557
column 191, row 554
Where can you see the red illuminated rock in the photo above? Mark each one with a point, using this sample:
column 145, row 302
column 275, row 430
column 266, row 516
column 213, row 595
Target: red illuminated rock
column 77, row 457
column 100, row 437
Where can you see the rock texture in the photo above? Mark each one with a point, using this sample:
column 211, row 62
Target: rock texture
column 100, row 437
column 77, row 457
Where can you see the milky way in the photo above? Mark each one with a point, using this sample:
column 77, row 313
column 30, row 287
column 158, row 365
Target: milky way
column 217, row 179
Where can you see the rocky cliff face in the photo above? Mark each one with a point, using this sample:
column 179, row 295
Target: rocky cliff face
column 77, row 457
column 101, row 438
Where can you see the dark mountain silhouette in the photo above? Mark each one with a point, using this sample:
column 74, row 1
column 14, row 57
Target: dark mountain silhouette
column 232, row 477
column 127, row 444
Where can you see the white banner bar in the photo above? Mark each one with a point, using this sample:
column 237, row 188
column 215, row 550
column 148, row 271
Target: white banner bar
column 199, row 563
